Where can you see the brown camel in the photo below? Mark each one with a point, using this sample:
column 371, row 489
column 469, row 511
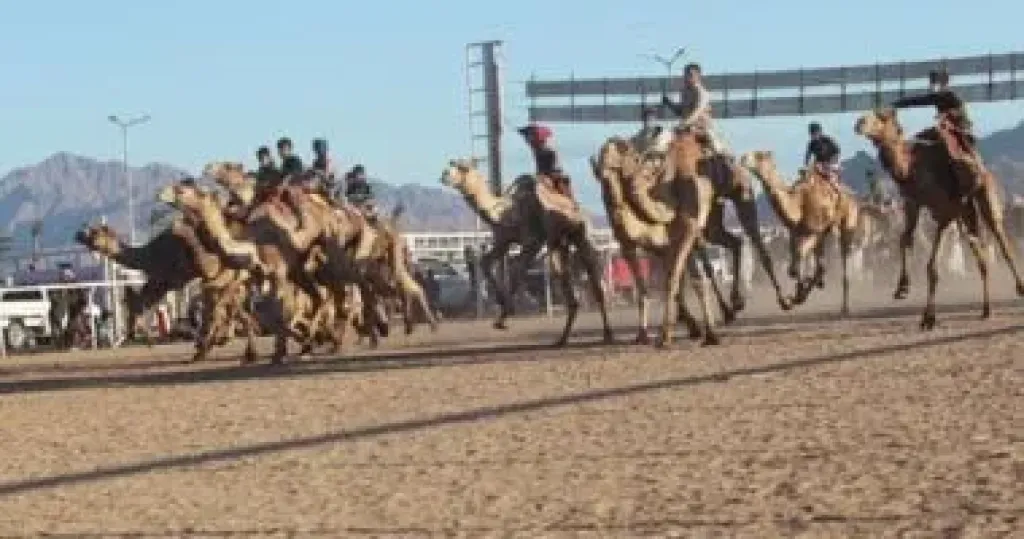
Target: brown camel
column 533, row 218
column 685, row 202
column 923, row 174
column 275, row 251
column 731, row 182
column 171, row 260
column 629, row 183
column 357, row 250
column 810, row 209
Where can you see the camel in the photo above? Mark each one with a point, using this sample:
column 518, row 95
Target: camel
column 923, row 175
column 810, row 209
column 356, row 250
column 527, row 217
column 617, row 166
column 276, row 250
column 171, row 260
column 685, row 203
column 731, row 182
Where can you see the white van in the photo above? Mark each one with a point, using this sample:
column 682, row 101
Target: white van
column 25, row 316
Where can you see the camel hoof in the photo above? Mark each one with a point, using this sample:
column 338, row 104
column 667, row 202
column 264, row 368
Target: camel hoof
column 642, row 338
column 928, row 321
column 198, row 357
column 728, row 316
column 249, row 357
column 500, row 325
column 785, row 304
column 560, row 343
column 1020, row 289
column 711, row 340
column 609, row 337
column 694, row 334
column 986, row 313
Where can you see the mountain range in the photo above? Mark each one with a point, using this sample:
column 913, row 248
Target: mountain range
column 66, row 190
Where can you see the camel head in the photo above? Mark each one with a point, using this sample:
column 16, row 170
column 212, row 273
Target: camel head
column 190, row 198
column 879, row 125
column 463, row 176
column 761, row 163
column 613, row 156
column 99, row 238
column 233, row 178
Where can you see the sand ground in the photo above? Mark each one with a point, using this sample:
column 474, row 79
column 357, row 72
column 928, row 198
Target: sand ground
column 797, row 425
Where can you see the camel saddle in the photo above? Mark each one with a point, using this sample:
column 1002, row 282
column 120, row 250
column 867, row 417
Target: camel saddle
column 555, row 194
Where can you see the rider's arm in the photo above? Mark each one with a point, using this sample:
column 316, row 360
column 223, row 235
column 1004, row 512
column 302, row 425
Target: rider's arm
column 835, row 149
column 809, row 153
column 703, row 105
column 676, row 108
column 923, row 100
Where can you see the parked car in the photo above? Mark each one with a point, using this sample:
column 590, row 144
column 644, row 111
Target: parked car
column 25, row 316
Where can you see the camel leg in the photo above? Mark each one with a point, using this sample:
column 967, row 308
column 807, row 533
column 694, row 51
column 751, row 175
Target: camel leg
column 928, row 319
column 685, row 316
column 728, row 312
column 588, row 255
column 982, row 255
column 642, row 300
column 846, row 237
column 718, row 235
column 800, row 246
column 990, row 210
column 559, row 260
column 746, row 210
column 677, row 264
column 700, row 289
column 487, row 261
column 912, row 213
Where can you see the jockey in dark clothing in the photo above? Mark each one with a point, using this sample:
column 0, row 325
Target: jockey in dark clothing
column 823, row 152
column 549, row 166
column 267, row 174
column 954, row 129
column 321, row 170
column 358, row 190
column 292, row 173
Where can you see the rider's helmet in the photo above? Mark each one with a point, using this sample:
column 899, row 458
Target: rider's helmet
column 262, row 152
column 319, row 146
column 284, row 143
column 938, row 77
column 536, row 133
column 814, row 128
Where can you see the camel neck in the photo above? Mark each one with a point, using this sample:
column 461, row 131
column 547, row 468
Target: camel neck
column 484, row 203
column 780, row 197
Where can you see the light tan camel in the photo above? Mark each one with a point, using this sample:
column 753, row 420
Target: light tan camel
column 356, row 250
column 925, row 178
column 731, row 182
column 628, row 183
column 810, row 209
column 528, row 217
column 685, row 201
column 276, row 257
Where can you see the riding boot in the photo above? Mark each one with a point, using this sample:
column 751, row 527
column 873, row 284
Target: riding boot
column 294, row 206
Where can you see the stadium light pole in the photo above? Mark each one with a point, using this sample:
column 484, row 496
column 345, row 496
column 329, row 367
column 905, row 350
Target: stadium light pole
column 667, row 62
column 124, row 124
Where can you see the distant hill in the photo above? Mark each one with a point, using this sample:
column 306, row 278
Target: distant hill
column 67, row 190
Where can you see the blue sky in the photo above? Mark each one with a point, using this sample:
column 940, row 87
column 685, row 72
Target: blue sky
column 384, row 81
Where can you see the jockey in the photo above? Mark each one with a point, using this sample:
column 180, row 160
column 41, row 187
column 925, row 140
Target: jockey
column 952, row 121
column 322, row 169
column 694, row 108
column 358, row 190
column 647, row 138
column 823, row 152
column 267, row 174
column 549, row 167
column 291, row 173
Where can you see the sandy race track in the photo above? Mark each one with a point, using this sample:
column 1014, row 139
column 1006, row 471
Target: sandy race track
column 798, row 425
